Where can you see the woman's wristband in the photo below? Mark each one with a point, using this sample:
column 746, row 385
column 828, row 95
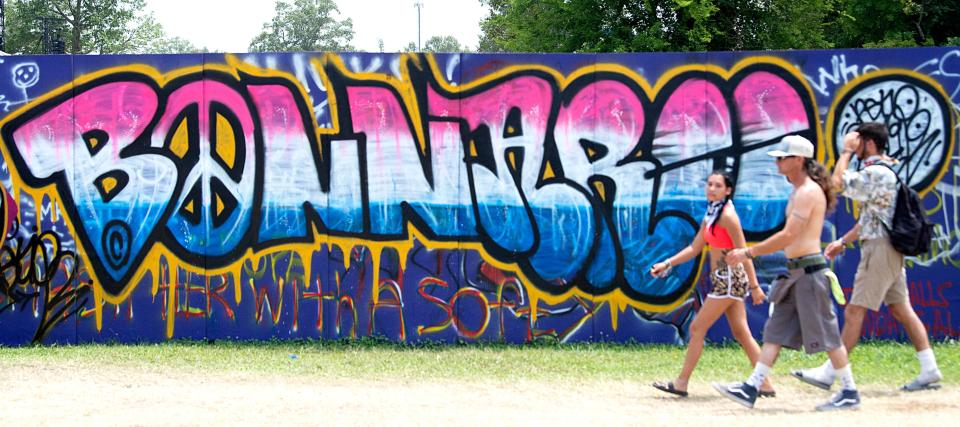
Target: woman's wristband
column 748, row 253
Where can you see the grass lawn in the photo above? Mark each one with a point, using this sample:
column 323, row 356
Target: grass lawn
column 878, row 363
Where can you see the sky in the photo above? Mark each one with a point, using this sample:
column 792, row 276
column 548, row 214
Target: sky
column 229, row 25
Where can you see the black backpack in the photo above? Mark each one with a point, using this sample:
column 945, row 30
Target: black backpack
column 910, row 231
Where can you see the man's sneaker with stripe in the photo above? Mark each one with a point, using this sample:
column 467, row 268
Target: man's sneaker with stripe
column 742, row 393
column 843, row 399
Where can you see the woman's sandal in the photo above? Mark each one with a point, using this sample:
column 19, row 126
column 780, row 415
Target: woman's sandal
column 669, row 388
column 762, row 393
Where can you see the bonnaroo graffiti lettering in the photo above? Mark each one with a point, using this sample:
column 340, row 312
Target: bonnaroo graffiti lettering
column 209, row 151
column 574, row 183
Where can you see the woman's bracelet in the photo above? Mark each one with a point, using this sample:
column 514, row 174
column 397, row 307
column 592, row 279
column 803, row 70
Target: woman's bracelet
column 666, row 270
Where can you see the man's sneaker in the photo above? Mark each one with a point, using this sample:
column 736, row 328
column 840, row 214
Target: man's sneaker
column 924, row 381
column 810, row 376
column 843, row 399
column 742, row 393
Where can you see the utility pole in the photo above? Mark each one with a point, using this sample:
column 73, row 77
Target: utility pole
column 419, row 5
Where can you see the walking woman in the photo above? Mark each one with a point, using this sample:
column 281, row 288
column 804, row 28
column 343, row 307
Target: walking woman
column 720, row 230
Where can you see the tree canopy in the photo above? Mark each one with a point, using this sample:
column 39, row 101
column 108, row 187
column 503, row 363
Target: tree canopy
column 173, row 45
column 890, row 23
column 698, row 25
column 437, row 44
column 304, row 25
column 124, row 26
column 442, row 44
column 89, row 26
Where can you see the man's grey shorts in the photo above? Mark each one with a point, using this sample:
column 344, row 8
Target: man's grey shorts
column 803, row 313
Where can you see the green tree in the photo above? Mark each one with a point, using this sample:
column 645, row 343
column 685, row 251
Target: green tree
column 610, row 25
column 527, row 25
column 892, row 23
column 696, row 25
column 23, row 26
column 305, row 25
column 935, row 20
column 442, row 44
column 173, row 45
column 796, row 24
column 90, row 26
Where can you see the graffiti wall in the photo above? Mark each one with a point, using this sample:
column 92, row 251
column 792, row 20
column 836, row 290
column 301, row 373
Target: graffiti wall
column 464, row 197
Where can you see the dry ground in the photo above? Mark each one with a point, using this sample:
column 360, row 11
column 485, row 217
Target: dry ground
column 39, row 394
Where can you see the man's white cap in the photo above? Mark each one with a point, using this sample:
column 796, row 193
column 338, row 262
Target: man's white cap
column 793, row 145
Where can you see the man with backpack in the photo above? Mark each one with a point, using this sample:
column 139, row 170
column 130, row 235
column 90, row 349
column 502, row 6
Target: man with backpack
column 881, row 276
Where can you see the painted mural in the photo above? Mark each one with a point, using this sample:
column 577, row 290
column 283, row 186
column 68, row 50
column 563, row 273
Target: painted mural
column 454, row 197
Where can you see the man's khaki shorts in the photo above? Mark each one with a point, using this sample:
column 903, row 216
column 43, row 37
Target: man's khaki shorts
column 880, row 277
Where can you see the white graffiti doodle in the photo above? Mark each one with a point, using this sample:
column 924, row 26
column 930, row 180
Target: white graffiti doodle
column 24, row 76
column 840, row 73
column 946, row 242
column 946, row 67
column 918, row 123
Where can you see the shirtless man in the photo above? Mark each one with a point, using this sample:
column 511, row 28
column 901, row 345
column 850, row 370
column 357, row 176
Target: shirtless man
column 882, row 280
column 803, row 312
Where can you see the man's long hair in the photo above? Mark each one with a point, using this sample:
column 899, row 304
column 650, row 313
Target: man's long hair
column 819, row 174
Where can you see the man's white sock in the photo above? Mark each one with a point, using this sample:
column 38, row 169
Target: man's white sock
column 846, row 378
column 760, row 371
column 928, row 362
column 827, row 369
column 824, row 373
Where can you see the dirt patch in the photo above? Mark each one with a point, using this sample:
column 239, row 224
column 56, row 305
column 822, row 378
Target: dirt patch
column 56, row 395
